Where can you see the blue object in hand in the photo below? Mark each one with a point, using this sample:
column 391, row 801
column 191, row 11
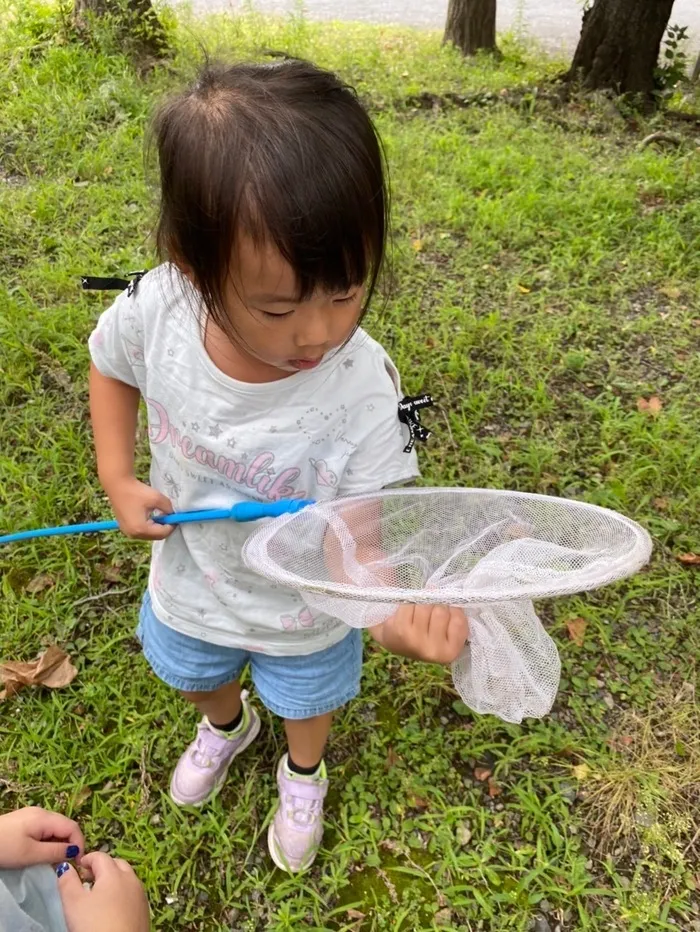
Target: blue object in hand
column 243, row 511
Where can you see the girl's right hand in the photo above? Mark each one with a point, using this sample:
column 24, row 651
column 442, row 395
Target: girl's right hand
column 133, row 503
column 116, row 903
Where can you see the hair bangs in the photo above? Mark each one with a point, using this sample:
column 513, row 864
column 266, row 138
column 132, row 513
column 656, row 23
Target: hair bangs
column 284, row 153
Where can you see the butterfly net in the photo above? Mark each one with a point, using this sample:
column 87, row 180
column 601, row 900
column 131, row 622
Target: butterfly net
column 490, row 552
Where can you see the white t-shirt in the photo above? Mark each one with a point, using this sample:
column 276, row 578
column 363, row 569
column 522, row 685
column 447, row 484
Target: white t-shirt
column 215, row 441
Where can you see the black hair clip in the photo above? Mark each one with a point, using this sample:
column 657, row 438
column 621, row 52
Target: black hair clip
column 90, row 283
column 409, row 414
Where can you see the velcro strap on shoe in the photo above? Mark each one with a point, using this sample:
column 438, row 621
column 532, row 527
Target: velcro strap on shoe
column 305, row 790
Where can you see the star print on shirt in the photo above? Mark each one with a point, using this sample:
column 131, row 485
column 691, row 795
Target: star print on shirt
column 349, row 363
column 370, row 407
column 171, row 352
column 194, row 425
column 215, row 431
column 231, row 442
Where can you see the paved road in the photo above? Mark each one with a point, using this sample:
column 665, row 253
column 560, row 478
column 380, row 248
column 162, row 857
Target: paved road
column 556, row 23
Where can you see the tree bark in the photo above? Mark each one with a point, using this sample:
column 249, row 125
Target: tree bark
column 471, row 25
column 619, row 45
column 136, row 19
column 696, row 70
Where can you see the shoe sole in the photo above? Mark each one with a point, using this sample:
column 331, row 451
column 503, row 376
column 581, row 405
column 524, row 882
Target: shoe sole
column 279, row 862
column 250, row 737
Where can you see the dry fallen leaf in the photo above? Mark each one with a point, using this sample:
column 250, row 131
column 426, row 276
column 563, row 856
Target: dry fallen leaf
column 671, row 292
column 523, row 290
column 577, row 630
column 112, row 572
column 482, row 773
column 392, row 759
column 83, row 795
column 494, row 789
column 417, row 244
column 39, row 583
column 651, row 405
column 53, row 669
column 689, row 559
column 418, row 802
column 354, row 914
column 581, row 771
column 443, row 917
column 661, row 504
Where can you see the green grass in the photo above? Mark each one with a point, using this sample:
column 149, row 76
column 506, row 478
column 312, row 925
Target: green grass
column 547, row 276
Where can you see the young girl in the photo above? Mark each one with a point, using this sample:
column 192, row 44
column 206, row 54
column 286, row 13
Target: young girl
column 245, row 346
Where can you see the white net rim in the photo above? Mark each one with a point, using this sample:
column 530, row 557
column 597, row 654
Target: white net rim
column 625, row 564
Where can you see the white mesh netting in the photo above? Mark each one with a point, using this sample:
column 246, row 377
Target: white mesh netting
column 491, row 552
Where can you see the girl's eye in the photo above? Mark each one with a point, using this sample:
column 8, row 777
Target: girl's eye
column 277, row 316
column 346, row 300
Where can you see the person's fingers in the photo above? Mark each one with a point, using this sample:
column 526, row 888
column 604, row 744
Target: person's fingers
column 123, row 866
column 158, row 501
column 459, row 624
column 438, row 624
column 49, row 852
column 420, row 618
column 70, row 886
column 457, row 635
column 55, row 826
column 155, row 531
column 101, row 864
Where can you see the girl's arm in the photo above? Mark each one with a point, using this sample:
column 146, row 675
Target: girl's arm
column 114, row 409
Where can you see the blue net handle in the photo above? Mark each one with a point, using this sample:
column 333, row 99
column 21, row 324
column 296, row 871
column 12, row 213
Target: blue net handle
column 243, row 511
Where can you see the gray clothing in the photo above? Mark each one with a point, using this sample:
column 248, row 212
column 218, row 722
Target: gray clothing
column 29, row 901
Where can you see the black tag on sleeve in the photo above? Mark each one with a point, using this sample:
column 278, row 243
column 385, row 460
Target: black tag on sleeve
column 92, row 283
column 409, row 414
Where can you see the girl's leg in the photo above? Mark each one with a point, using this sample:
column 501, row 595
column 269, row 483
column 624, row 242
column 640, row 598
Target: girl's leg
column 221, row 706
column 307, row 739
column 230, row 725
column 295, row 833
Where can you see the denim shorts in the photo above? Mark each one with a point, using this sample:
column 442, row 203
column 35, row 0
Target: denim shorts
column 292, row 687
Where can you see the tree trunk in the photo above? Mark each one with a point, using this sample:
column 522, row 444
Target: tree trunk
column 136, row 20
column 619, row 45
column 471, row 25
column 696, row 70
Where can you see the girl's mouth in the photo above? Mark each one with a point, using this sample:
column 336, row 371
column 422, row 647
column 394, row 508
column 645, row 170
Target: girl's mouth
column 305, row 363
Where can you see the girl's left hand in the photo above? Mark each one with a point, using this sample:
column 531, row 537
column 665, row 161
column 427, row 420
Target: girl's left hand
column 35, row 836
column 435, row 633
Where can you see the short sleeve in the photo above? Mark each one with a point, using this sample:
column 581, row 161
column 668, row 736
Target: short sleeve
column 380, row 459
column 117, row 342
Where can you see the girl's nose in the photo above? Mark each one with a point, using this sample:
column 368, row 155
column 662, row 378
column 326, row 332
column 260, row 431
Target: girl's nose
column 314, row 329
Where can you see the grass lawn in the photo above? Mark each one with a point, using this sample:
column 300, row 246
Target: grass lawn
column 546, row 285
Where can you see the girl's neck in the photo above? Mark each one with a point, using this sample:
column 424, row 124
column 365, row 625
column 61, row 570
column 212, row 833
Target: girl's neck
column 233, row 360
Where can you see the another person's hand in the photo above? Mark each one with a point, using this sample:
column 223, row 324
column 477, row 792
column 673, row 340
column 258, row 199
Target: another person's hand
column 35, row 836
column 116, row 903
column 434, row 633
column 133, row 503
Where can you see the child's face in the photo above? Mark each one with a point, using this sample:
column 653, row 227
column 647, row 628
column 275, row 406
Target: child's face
column 271, row 326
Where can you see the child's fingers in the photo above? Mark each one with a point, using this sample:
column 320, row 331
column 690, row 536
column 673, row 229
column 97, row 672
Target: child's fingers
column 56, row 827
column 155, row 531
column 70, row 886
column 439, row 624
column 157, row 502
column 101, row 864
column 160, row 502
column 457, row 632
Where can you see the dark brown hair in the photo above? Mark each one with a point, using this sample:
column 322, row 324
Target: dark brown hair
column 284, row 152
